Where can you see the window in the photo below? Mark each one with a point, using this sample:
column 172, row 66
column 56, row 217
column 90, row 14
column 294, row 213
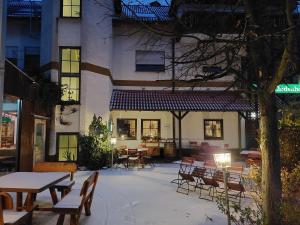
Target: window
column 70, row 74
column 150, row 61
column 151, row 129
column 11, row 53
column 126, row 129
column 67, row 146
column 213, row 129
column 211, row 69
column 32, row 61
column 71, row 8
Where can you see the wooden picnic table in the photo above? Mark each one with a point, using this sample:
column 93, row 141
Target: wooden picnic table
column 31, row 183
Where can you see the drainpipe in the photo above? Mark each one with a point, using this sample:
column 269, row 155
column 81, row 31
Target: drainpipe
column 173, row 89
column 2, row 56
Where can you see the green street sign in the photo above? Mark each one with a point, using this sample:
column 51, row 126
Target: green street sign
column 288, row 89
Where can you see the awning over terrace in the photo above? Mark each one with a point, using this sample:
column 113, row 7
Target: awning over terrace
column 153, row 100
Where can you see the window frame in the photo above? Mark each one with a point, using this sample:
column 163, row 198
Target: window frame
column 150, row 67
column 57, row 144
column 126, row 139
column 213, row 138
column 158, row 129
column 61, row 74
column 70, row 17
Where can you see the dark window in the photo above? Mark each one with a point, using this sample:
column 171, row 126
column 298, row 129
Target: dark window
column 67, row 146
column 211, row 69
column 70, row 74
column 11, row 53
column 126, row 129
column 213, row 130
column 71, row 8
column 150, row 61
column 32, row 61
column 150, row 129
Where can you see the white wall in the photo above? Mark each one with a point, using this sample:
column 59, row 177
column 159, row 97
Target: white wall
column 192, row 126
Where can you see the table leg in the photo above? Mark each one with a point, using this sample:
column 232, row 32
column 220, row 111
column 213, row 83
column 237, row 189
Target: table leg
column 29, row 202
column 53, row 195
column 19, row 201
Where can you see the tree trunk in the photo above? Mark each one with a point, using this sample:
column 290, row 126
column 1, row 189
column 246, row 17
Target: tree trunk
column 269, row 145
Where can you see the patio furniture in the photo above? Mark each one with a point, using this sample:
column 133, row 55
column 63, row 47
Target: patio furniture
column 236, row 188
column 185, row 176
column 73, row 203
column 148, row 159
column 198, row 173
column 10, row 217
column 184, row 160
column 64, row 186
column 209, row 184
column 133, row 158
column 31, row 183
column 122, row 158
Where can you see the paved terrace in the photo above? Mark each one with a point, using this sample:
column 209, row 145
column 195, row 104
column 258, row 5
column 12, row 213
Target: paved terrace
column 140, row 197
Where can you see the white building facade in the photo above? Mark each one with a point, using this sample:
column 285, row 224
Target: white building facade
column 92, row 52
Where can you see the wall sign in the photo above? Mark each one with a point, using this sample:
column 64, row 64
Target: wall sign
column 288, row 89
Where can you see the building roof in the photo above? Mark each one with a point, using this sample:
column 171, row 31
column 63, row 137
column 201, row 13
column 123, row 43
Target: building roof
column 153, row 100
column 146, row 13
column 17, row 8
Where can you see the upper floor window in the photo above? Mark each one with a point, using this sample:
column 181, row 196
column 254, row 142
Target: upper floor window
column 150, row 61
column 11, row 53
column 70, row 74
column 71, row 8
column 67, row 146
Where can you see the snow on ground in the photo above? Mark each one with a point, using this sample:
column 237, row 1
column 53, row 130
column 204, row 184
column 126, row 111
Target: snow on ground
column 141, row 197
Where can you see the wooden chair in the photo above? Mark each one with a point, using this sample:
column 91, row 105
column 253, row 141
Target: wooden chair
column 209, row 184
column 185, row 177
column 133, row 158
column 72, row 204
column 64, row 186
column 10, row 217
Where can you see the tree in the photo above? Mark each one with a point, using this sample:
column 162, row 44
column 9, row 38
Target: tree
column 252, row 41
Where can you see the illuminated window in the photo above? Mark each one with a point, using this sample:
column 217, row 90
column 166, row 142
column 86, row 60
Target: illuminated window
column 126, row 129
column 151, row 129
column 67, row 146
column 213, row 130
column 71, row 8
column 70, row 74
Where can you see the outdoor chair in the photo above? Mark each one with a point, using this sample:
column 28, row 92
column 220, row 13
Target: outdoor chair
column 148, row 159
column 64, row 186
column 184, row 160
column 185, row 177
column 236, row 189
column 72, row 204
column 133, row 158
column 8, row 216
column 209, row 184
column 122, row 158
column 198, row 173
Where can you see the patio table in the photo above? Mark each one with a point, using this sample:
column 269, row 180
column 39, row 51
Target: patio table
column 31, row 183
column 141, row 151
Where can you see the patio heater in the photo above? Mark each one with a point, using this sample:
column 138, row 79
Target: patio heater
column 113, row 142
column 223, row 161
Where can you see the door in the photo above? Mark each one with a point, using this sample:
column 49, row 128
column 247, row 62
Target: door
column 39, row 140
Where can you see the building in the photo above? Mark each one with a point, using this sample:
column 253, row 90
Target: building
column 92, row 48
column 25, row 120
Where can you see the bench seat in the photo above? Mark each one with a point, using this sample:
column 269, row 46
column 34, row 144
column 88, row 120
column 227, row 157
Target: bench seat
column 13, row 217
column 71, row 202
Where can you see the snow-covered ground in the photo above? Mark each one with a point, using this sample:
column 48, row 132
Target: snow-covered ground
column 141, row 197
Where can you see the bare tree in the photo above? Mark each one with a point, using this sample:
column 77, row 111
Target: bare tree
column 254, row 42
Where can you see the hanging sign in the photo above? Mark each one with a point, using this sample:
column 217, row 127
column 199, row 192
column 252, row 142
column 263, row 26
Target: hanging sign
column 288, row 89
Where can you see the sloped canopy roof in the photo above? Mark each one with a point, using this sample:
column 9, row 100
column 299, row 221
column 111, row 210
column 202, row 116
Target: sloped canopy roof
column 153, row 100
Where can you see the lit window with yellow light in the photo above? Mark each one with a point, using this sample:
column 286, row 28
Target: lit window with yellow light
column 71, row 8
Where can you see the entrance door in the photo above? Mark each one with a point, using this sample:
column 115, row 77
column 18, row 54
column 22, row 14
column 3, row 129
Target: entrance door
column 39, row 140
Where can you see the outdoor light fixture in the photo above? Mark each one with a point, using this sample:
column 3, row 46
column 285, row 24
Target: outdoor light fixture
column 223, row 161
column 113, row 142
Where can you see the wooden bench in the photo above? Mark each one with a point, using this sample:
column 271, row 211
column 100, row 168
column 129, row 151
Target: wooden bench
column 10, row 217
column 73, row 203
column 64, row 186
